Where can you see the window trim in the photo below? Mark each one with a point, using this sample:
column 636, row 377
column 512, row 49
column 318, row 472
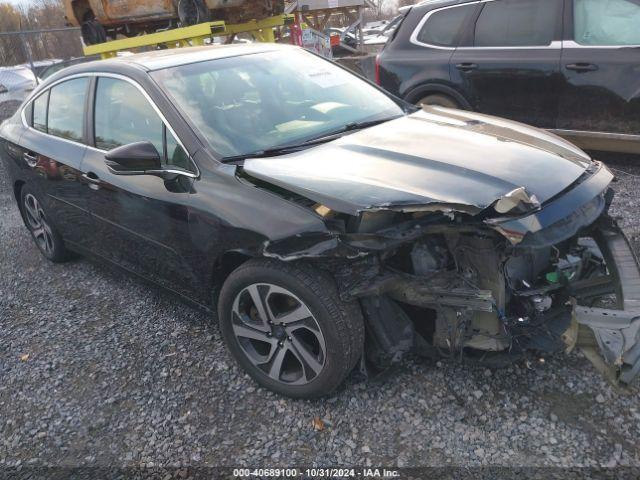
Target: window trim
column 554, row 45
column 189, row 173
column 46, row 112
column 416, row 31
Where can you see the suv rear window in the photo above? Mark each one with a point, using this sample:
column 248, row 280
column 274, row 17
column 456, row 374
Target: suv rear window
column 517, row 23
column 442, row 27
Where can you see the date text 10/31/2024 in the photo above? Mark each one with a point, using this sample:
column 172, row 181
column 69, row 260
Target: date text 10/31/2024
column 364, row 473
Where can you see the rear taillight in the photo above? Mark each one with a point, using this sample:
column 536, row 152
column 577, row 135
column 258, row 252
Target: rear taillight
column 378, row 69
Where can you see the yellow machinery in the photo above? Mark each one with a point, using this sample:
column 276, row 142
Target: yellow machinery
column 261, row 30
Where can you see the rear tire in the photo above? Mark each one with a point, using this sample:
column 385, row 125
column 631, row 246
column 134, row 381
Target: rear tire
column 44, row 233
column 93, row 32
column 192, row 12
column 303, row 358
column 438, row 99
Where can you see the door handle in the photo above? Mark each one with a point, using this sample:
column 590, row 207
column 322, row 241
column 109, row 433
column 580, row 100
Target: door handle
column 31, row 159
column 466, row 67
column 91, row 178
column 582, row 67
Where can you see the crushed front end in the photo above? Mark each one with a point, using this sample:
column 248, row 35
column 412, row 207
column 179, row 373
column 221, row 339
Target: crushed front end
column 518, row 282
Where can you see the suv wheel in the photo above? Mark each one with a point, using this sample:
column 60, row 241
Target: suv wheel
column 42, row 230
column 288, row 328
column 439, row 100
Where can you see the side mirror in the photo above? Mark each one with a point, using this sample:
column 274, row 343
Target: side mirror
column 134, row 159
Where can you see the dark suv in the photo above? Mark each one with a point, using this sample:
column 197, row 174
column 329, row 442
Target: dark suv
column 570, row 66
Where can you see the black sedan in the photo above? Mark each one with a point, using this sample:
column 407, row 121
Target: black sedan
column 327, row 223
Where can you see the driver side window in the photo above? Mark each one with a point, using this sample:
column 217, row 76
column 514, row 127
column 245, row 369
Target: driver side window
column 122, row 115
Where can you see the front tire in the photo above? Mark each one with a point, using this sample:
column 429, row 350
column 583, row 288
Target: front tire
column 44, row 233
column 287, row 327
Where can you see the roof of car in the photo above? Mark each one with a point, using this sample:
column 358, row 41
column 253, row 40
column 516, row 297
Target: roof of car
column 159, row 59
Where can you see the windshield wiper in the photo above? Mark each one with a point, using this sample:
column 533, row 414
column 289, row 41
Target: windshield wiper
column 325, row 137
column 349, row 127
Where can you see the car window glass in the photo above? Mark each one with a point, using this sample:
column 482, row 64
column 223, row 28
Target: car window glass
column 442, row 27
column 606, row 22
column 516, row 23
column 175, row 154
column 66, row 109
column 123, row 115
column 248, row 103
column 40, row 112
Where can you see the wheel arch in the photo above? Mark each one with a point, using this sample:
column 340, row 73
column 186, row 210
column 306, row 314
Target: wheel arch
column 421, row 91
column 17, row 189
column 17, row 192
column 224, row 266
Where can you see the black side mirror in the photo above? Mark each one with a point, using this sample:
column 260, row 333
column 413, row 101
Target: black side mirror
column 134, row 159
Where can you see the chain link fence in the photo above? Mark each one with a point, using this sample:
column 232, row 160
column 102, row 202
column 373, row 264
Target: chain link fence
column 28, row 56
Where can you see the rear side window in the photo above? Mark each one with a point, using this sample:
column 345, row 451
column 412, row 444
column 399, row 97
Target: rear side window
column 517, row 23
column 615, row 22
column 442, row 27
column 66, row 109
column 40, row 112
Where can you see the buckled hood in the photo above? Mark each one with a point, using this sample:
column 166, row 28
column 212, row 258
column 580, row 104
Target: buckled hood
column 436, row 158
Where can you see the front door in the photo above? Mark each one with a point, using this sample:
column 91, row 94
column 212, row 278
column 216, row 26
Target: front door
column 601, row 67
column 142, row 220
column 53, row 149
column 509, row 61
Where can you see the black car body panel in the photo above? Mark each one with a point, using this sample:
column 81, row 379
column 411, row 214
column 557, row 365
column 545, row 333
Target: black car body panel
column 476, row 221
column 409, row 163
column 589, row 94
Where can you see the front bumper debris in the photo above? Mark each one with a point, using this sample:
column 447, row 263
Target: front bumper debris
column 616, row 331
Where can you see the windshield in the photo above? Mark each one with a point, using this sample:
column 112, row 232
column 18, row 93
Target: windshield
column 256, row 102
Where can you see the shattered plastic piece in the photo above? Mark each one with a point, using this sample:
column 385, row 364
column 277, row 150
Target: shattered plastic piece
column 516, row 199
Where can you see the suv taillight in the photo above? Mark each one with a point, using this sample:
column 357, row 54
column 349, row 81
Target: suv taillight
column 378, row 69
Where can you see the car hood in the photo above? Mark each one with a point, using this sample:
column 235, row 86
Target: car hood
column 436, row 158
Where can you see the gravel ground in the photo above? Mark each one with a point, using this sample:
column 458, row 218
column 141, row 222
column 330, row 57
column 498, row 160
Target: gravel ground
column 98, row 369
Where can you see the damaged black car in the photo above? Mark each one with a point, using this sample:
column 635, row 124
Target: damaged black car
column 327, row 224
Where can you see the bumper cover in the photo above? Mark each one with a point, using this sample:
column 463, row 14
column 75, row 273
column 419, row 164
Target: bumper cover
column 617, row 332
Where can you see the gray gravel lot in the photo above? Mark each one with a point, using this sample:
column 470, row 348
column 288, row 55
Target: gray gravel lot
column 98, row 369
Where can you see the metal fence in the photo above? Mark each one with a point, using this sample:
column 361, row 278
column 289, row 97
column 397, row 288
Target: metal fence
column 29, row 55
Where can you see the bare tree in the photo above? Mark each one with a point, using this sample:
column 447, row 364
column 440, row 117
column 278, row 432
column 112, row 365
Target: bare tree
column 39, row 15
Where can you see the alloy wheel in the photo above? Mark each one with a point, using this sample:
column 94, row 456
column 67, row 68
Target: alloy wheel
column 38, row 224
column 278, row 333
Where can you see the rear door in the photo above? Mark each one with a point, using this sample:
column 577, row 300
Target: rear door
column 509, row 61
column 415, row 62
column 601, row 67
column 53, row 148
